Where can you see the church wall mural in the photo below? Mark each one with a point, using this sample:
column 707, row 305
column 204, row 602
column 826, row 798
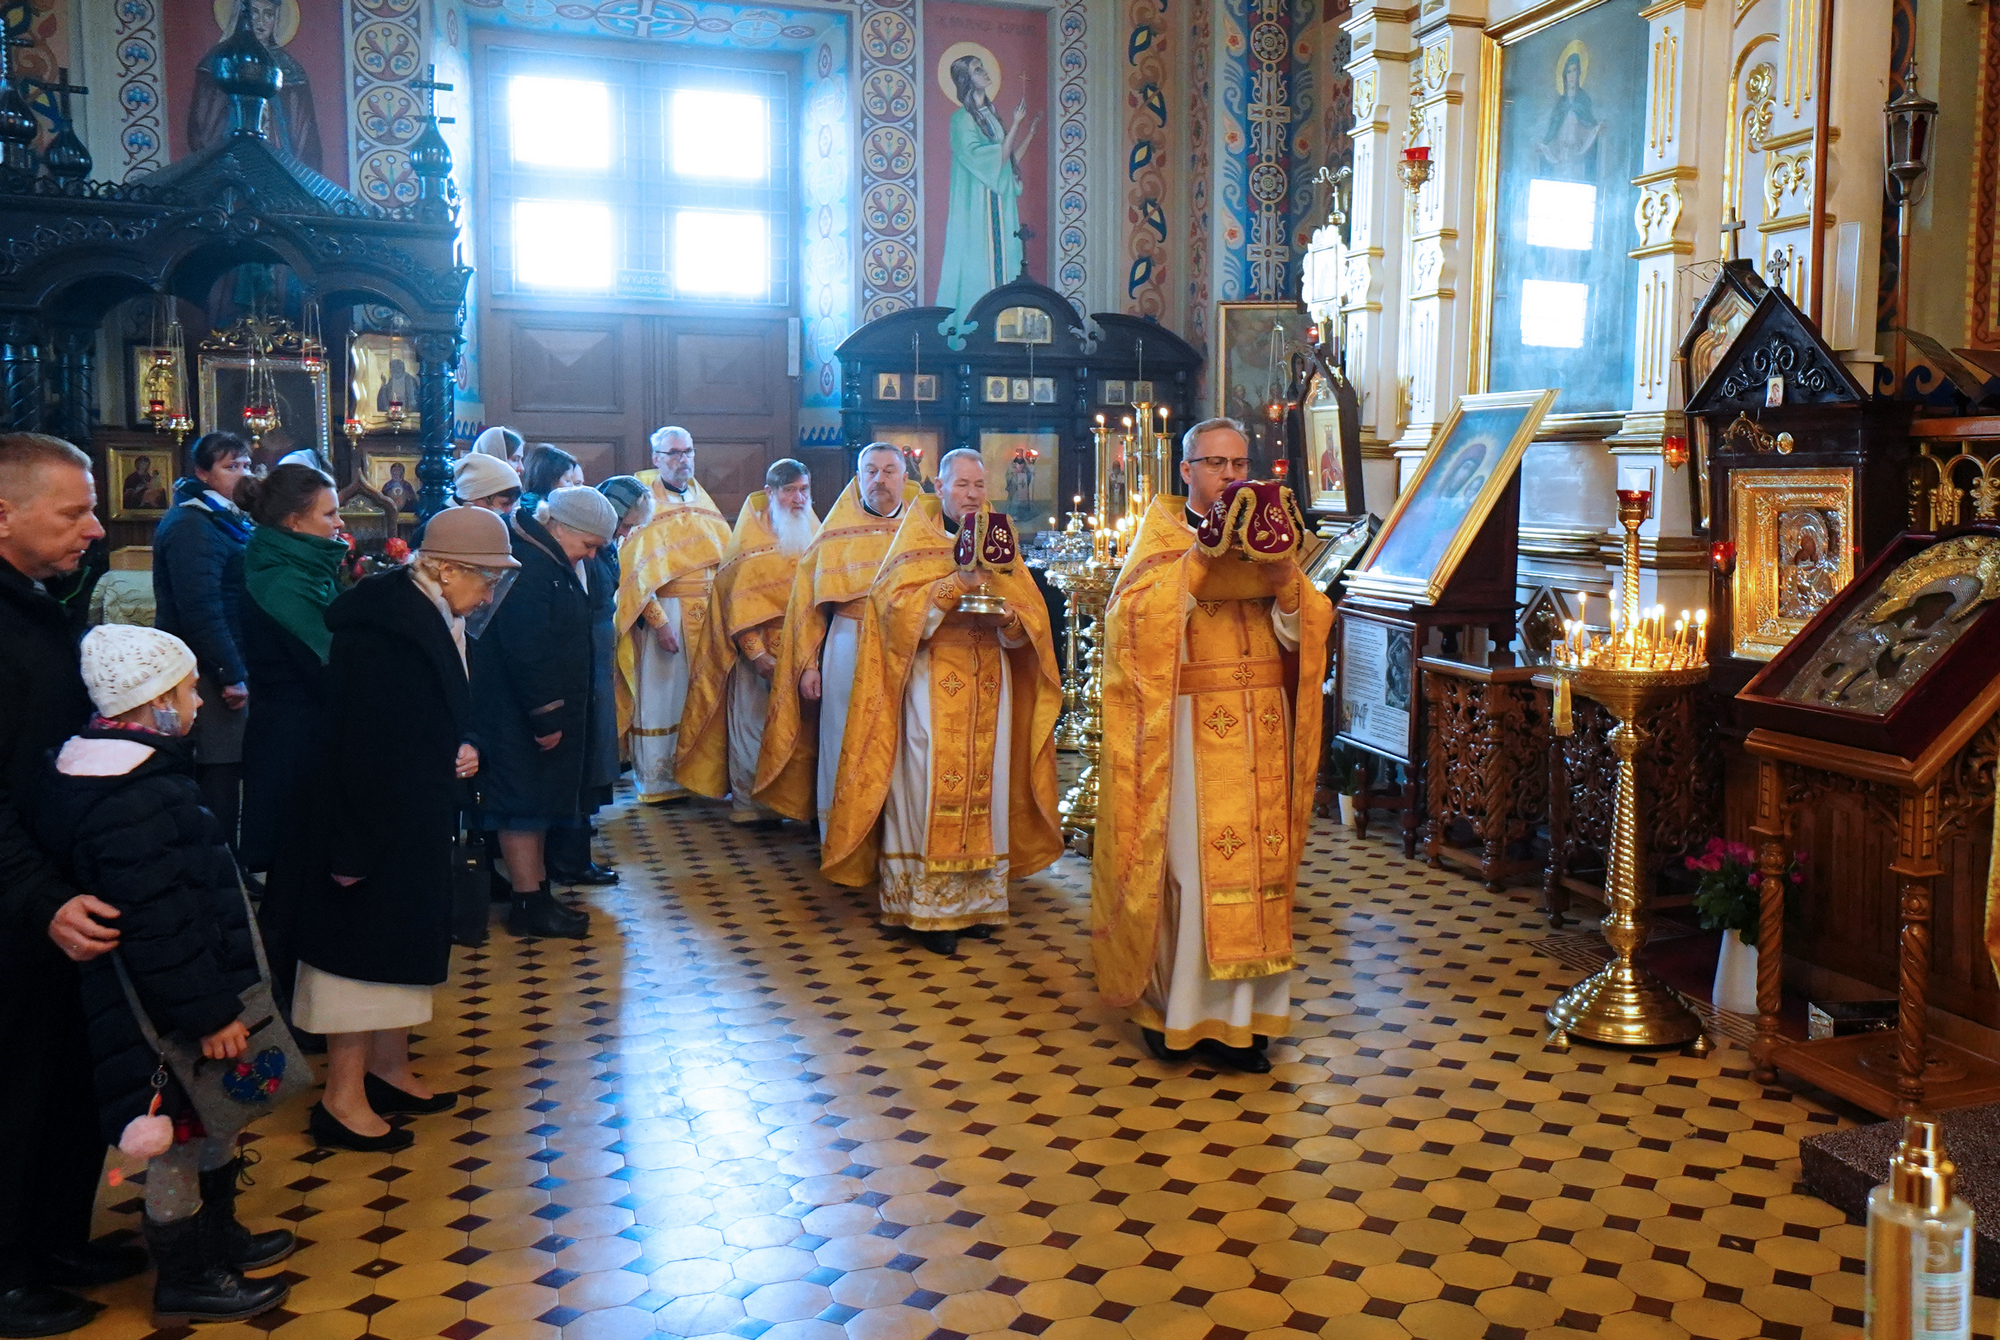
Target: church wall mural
column 310, row 111
column 985, row 90
column 1572, row 127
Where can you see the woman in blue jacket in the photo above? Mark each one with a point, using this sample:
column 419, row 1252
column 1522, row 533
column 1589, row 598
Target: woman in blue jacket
column 198, row 597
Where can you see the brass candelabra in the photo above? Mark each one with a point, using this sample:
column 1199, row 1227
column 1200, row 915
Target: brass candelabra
column 1640, row 664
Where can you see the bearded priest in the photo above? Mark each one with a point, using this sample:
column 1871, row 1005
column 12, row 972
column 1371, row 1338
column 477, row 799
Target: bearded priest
column 668, row 565
column 948, row 784
column 1215, row 648
column 800, row 761
column 729, row 689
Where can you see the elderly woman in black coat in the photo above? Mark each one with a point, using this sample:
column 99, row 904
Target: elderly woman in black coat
column 532, row 684
column 569, row 856
column 373, row 891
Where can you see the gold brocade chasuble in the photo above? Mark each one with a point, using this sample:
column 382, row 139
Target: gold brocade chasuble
column 685, row 538
column 751, row 588
column 839, row 567
column 964, row 678
column 1256, row 717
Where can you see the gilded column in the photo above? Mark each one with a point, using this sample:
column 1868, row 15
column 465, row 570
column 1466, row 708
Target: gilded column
column 1371, row 305
column 1444, row 84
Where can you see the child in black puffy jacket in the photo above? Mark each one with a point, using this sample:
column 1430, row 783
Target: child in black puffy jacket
column 122, row 811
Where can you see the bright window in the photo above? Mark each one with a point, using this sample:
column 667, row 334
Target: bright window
column 562, row 123
column 727, row 255
column 1553, row 313
column 563, row 244
column 720, row 134
column 1562, row 214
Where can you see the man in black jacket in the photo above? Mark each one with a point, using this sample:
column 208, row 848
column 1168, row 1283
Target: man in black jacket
column 50, row 1150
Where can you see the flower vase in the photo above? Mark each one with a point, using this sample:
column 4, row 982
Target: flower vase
column 1736, row 975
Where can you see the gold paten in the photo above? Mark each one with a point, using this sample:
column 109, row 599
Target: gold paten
column 1794, row 534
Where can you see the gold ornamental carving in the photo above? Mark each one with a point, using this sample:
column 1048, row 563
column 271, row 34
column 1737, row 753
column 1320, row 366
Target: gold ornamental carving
column 1794, row 550
column 1658, row 212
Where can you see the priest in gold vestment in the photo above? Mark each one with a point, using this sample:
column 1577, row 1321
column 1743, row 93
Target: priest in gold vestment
column 1211, row 731
column 800, row 759
column 948, row 785
column 666, row 568
column 729, row 686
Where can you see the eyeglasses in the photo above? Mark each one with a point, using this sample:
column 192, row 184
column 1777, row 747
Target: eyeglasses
column 1221, row 462
column 676, row 453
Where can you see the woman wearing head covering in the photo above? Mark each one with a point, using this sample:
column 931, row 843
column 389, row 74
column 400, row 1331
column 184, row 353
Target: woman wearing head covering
column 291, row 573
column 569, row 857
column 198, row 597
column 374, row 884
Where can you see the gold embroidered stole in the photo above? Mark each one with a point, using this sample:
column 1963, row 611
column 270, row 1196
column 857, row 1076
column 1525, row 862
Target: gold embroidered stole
column 965, row 724
column 683, row 542
column 1235, row 680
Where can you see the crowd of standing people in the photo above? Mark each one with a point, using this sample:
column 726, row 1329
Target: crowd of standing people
column 199, row 834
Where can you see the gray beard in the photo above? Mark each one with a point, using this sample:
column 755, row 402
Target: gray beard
column 793, row 529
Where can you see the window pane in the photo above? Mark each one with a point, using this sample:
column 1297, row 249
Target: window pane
column 1552, row 313
column 560, row 122
column 721, row 135
column 724, row 254
column 562, row 244
column 1562, row 214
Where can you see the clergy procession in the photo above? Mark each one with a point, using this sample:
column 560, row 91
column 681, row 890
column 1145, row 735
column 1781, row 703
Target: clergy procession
column 889, row 677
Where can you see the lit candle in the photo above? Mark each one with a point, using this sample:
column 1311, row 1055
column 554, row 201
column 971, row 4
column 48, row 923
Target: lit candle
column 1701, row 635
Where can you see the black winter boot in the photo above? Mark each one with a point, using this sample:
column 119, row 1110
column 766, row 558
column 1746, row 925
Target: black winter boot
column 194, row 1285
column 232, row 1243
column 537, row 914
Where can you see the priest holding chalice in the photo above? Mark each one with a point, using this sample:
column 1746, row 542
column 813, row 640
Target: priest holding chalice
column 948, row 781
column 1214, row 651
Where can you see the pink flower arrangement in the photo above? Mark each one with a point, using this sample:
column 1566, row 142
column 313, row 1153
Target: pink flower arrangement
column 1727, row 896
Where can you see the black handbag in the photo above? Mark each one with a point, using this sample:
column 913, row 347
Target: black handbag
column 471, row 900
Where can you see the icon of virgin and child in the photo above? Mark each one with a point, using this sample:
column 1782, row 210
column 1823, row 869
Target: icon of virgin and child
column 982, row 241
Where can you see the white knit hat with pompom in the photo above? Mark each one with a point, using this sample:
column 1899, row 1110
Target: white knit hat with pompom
column 128, row 665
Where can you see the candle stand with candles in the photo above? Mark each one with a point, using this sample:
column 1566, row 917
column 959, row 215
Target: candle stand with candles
column 1640, row 664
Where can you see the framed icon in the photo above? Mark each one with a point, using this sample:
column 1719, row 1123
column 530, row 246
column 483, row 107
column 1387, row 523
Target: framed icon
column 140, row 481
column 1020, row 390
column 1112, row 393
column 299, row 400
column 1142, row 393
column 1043, row 391
column 141, row 360
column 382, row 381
column 996, row 391
column 888, row 386
column 923, row 386
column 394, row 477
column 1024, row 325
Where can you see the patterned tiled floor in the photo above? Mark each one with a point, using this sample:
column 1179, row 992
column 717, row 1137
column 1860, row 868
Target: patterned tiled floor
column 743, row 1110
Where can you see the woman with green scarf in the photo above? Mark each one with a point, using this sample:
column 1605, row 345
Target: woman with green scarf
column 291, row 573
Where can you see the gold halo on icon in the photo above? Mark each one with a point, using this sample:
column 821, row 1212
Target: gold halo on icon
column 953, row 52
column 1582, row 53
column 288, row 18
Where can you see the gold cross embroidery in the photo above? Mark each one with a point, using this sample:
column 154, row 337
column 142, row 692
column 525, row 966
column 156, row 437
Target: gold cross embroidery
column 1241, row 674
column 1220, row 721
column 951, row 683
column 1274, row 840
column 982, row 780
column 990, row 685
column 953, row 778
column 1228, row 843
column 1269, row 716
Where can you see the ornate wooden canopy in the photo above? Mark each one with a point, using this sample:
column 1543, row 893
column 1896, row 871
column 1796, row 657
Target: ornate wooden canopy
column 73, row 249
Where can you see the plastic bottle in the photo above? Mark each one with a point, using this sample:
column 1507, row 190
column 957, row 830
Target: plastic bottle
column 1919, row 1244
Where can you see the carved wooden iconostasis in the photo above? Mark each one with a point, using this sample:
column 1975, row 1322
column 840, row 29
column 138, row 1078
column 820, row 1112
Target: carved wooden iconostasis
column 237, row 279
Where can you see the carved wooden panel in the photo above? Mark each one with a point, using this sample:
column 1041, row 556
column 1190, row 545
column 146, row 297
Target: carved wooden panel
column 599, row 458
column 1488, row 745
column 565, row 367
column 726, row 371
column 1680, row 785
column 732, row 469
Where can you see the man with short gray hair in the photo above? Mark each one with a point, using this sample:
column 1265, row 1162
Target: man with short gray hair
column 666, row 568
column 947, row 787
column 800, row 759
column 50, row 1149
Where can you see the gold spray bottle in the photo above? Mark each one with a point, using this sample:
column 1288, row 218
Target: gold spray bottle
column 1919, row 1244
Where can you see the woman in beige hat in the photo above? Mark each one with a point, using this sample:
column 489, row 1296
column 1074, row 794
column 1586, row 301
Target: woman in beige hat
column 374, row 889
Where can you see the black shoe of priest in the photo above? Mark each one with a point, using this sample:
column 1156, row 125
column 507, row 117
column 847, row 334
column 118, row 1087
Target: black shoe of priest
column 1156, row 1043
column 981, row 932
column 1249, row 1060
column 942, row 943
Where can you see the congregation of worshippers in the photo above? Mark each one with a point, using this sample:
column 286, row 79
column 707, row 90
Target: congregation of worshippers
column 1387, row 616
